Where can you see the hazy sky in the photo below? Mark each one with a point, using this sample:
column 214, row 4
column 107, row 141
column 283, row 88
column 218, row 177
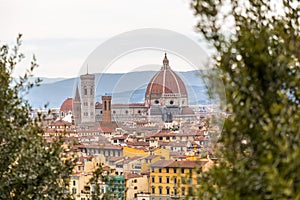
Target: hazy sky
column 62, row 33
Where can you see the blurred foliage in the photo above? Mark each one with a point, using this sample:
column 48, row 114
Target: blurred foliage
column 106, row 179
column 99, row 177
column 257, row 52
column 30, row 168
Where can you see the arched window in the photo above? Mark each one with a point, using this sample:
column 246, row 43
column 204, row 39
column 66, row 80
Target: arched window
column 168, row 190
column 160, row 190
column 153, row 190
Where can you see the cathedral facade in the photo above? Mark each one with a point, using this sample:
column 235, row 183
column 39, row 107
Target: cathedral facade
column 166, row 99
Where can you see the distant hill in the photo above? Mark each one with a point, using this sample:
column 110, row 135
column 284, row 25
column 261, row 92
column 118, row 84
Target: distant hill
column 124, row 88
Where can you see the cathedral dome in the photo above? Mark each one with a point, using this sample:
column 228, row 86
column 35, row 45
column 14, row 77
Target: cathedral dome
column 166, row 85
column 66, row 107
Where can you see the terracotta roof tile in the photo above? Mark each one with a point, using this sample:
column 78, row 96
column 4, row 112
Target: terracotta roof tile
column 67, row 105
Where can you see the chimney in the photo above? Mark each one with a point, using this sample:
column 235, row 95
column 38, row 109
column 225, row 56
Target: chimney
column 106, row 109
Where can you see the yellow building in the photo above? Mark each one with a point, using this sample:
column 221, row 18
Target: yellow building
column 174, row 179
column 131, row 152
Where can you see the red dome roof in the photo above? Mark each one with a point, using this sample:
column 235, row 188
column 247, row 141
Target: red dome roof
column 166, row 81
column 67, row 105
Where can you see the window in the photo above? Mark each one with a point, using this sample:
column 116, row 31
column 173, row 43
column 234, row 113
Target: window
column 160, row 179
column 175, row 171
column 159, row 170
column 153, row 190
column 152, row 169
column 135, row 188
column 167, row 170
column 74, row 183
column 74, row 191
column 182, row 170
column 175, row 191
column 183, row 191
column 171, row 102
column 156, row 102
column 168, row 190
column 160, row 190
column 153, row 179
column 105, row 106
column 167, row 179
column 175, row 180
column 91, row 91
column 78, row 167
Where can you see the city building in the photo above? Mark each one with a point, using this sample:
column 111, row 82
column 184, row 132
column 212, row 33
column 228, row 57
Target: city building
column 171, row 179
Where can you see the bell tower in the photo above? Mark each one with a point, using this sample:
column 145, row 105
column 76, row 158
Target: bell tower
column 106, row 109
column 87, row 97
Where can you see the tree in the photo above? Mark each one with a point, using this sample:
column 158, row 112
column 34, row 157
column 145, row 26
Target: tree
column 101, row 177
column 257, row 46
column 30, row 167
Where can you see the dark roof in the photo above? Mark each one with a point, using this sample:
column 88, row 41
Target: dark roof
column 162, row 163
column 191, row 164
column 187, row 164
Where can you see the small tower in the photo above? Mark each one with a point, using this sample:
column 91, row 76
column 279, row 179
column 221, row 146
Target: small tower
column 77, row 108
column 87, row 98
column 106, row 109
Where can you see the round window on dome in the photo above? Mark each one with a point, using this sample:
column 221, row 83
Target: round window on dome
column 171, row 102
column 156, row 102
